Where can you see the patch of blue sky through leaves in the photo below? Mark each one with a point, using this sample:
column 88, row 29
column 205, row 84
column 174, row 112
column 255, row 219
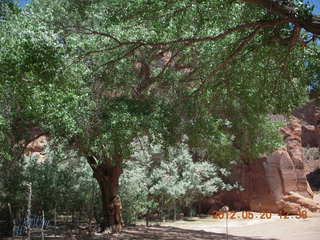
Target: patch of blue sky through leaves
column 316, row 4
column 22, row 3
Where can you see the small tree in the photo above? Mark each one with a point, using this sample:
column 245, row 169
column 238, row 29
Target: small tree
column 63, row 181
column 158, row 178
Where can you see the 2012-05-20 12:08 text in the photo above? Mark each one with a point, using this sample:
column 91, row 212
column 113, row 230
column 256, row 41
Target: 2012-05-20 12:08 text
column 302, row 214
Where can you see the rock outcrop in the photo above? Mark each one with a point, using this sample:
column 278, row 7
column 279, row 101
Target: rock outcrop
column 309, row 116
column 278, row 183
column 36, row 145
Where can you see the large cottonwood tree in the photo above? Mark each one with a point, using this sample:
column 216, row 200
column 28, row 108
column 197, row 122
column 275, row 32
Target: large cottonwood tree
column 102, row 73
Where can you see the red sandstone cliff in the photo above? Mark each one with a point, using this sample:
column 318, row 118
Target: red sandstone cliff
column 278, row 182
column 36, row 145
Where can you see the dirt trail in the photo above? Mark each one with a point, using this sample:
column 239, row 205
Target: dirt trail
column 257, row 228
column 212, row 229
column 207, row 228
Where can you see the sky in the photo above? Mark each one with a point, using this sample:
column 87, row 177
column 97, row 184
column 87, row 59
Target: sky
column 316, row 3
column 23, row 2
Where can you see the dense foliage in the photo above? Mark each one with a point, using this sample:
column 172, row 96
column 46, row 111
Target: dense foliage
column 167, row 181
column 112, row 70
column 61, row 181
column 155, row 72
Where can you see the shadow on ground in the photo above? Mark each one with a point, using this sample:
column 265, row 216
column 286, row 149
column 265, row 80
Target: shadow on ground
column 172, row 233
column 145, row 233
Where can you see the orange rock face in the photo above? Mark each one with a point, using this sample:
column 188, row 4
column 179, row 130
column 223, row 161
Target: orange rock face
column 310, row 136
column 36, row 147
column 277, row 183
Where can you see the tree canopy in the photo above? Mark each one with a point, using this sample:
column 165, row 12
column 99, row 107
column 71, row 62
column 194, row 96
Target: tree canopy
column 130, row 66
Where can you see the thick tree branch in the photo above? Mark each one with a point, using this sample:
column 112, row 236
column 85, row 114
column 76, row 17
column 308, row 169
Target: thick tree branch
column 245, row 41
column 295, row 37
column 113, row 61
column 219, row 36
column 92, row 162
column 287, row 11
column 87, row 31
column 188, row 40
column 145, row 75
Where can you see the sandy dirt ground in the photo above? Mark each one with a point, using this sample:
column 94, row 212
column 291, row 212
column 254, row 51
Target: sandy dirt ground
column 259, row 227
column 211, row 229
column 275, row 228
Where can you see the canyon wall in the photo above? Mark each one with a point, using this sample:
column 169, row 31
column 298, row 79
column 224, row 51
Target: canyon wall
column 278, row 182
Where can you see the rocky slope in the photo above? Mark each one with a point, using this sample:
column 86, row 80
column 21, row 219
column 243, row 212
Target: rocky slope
column 278, row 182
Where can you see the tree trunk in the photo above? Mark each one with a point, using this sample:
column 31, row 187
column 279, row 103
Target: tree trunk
column 29, row 212
column 55, row 220
column 107, row 174
column 6, row 216
column 174, row 210
column 147, row 218
column 13, row 221
column 42, row 226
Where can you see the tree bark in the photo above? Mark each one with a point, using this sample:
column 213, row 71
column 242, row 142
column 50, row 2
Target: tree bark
column 288, row 11
column 29, row 211
column 174, row 210
column 107, row 174
column 6, row 226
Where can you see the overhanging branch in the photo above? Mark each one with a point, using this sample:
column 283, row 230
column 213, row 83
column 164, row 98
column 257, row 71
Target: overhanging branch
column 287, row 11
column 191, row 40
column 245, row 41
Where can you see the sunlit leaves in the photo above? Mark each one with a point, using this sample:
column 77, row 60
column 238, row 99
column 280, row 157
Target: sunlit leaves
column 73, row 71
column 158, row 176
